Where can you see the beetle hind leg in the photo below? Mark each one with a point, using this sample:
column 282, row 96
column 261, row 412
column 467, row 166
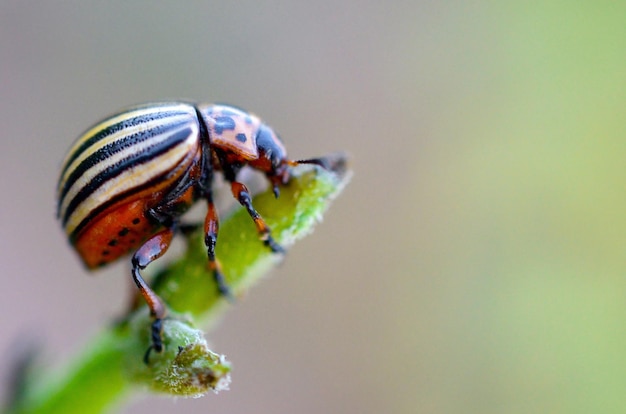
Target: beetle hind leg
column 151, row 250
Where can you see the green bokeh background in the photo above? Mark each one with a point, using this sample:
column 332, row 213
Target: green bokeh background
column 476, row 263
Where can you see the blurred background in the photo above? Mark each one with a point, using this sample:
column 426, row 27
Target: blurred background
column 475, row 264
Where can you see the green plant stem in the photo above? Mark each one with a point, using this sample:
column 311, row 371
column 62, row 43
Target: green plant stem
column 94, row 380
column 111, row 365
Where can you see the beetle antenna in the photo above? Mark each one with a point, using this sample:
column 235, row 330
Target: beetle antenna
column 336, row 162
column 322, row 162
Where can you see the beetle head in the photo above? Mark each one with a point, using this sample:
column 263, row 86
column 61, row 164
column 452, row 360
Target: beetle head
column 272, row 159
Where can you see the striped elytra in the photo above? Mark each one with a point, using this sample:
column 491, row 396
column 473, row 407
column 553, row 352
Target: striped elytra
column 127, row 180
column 142, row 149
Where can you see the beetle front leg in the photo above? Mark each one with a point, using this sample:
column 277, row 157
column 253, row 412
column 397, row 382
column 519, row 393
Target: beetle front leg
column 211, row 228
column 241, row 193
column 151, row 250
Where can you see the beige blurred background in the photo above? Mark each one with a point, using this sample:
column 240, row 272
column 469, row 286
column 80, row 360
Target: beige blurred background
column 476, row 263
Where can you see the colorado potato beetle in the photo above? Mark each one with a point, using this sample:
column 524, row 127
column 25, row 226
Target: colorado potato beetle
column 126, row 182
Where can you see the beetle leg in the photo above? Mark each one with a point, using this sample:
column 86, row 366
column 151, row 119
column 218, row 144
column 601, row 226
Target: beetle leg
column 241, row 193
column 151, row 250
column 211, row 228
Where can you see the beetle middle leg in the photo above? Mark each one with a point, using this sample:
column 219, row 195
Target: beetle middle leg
column 211, row 228
column 241, row 193
column 151, row 250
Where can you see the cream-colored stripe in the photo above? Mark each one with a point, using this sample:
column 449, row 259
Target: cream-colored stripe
column 92, row 172
column 131, row 178
column 130, row 113
column 115, row 137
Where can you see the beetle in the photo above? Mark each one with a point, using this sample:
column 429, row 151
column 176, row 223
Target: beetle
column 126, row 182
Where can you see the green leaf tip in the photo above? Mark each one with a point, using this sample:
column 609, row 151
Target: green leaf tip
column 186, row 367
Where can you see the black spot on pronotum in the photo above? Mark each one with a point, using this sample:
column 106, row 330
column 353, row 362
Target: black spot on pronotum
column 241, row 137
column 136, row 220
column 223, row 123
column 123, row 232
column 113, row 242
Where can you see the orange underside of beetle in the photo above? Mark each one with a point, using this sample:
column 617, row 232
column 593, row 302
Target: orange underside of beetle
column 114, row 233
column 124, row 227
